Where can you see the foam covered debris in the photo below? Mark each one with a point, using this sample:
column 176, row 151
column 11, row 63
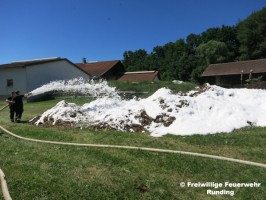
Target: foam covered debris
column 205, row 110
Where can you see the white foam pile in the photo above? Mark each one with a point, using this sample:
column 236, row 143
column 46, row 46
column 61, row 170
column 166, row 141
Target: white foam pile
column 213, row 111
column 77, row 85
column 68, row 112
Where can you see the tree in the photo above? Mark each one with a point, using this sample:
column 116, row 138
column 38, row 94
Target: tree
column 186, row 63
column 193, row 41
column 210, row 34
column 159, row 51
column 228, row 35
column 196, row 75
column 213, row 52
column 135, row 61
column 251, row 34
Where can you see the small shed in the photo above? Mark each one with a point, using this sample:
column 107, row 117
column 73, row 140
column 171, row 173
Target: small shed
column 235, row 74
column 138, row 76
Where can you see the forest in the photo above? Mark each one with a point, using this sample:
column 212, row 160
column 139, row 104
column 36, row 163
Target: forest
column 186, row 59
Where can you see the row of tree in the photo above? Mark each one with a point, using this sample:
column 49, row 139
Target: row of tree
column 186, row 59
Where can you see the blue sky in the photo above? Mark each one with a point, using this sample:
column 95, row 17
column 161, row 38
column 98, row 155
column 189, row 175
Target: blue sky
column 102, row 30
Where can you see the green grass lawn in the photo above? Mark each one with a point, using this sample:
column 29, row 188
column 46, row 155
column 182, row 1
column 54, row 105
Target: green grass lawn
column 46, row 171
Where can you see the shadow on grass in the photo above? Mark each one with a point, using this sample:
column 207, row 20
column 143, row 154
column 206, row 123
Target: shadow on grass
column 22, row 122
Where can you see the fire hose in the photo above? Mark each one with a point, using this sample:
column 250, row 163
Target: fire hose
column 2, row 177
column 4, row 107
column 4, row 186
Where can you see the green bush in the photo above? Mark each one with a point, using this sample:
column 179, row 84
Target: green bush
column 254, row 80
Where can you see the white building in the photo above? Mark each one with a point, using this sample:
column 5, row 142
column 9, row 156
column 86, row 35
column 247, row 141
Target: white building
column 28, row 75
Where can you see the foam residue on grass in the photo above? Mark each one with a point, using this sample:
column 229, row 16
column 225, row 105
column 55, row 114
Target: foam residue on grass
column 206, row 110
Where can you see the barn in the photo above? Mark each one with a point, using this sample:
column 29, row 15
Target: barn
column 102, row 69
column 234, row 74
column 138, row 76
column 31, row 74
column 114, row 70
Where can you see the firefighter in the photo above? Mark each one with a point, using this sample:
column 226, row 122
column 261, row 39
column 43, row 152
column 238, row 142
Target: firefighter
column 19, row 105
column 11, row 105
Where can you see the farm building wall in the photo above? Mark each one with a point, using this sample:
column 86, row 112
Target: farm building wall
column 156, row 78
column 38, row 75
column 111, row 74
column 232, row 81
column 18, row 75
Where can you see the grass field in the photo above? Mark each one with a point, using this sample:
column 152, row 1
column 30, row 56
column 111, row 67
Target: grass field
column 46, row 171
column 150, row 87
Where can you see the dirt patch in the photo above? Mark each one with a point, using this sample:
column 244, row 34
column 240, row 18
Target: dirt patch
column 161, row 101
column 179, row 93
column 35, row 119
column 102, row 125
column 126, row 127
column 143, row 189
column 169, row 121
column 165, row 119
column 164, row 106
column 259, row 85
column 198, row 90
column 183, row 103
column 49, row 122
column 170, row 110
column 201, row 89
column 251, row 123
column 144, row 119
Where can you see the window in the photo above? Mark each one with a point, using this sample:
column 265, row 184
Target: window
column 9, row 82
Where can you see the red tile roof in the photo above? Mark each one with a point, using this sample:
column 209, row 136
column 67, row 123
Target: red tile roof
column 257, row 66
column 96, row 69
column 137, row 76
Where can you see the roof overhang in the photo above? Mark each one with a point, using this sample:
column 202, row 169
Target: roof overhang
column 27, row 63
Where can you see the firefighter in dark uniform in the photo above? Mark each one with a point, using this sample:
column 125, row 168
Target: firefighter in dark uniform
column 19, row 105
column 11, row 105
